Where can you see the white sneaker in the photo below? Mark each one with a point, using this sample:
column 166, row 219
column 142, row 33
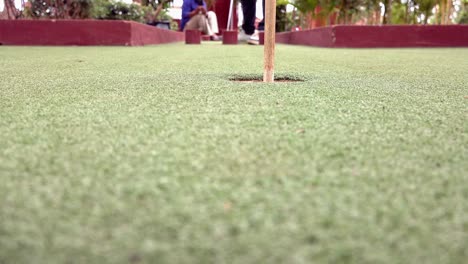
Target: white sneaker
column 254, row 39
column 242, row 36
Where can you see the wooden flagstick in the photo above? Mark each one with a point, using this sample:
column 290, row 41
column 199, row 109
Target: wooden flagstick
column 269, row 41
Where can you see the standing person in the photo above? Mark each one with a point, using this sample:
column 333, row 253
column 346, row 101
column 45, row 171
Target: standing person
column 248, row 32
column 196, row 16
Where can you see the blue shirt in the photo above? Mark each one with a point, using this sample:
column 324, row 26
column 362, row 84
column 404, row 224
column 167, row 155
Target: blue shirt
column 187, row 7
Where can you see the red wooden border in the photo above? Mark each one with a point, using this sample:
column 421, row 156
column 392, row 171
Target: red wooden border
column 83, row 33
column 379, row 36
column 114, row 32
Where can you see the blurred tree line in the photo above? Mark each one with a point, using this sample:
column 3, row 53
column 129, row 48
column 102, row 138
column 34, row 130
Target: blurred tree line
column 379, row 12
column 148, row 11
column 305, row 14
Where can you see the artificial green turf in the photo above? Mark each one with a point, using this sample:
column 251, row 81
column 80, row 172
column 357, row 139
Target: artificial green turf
column 151, row 155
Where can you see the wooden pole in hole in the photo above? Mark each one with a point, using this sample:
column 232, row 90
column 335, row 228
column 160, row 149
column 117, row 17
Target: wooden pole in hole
column 269, row 42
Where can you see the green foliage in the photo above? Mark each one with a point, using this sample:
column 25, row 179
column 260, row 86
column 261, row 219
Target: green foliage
column 349, row 10
column 425, row 8
column 305, row 5
column 281, row 18
column 282, row 2
column 101, row 9
column 174, row 25
column 117, row 10
column 463, row 19
column 152, row 3
column 97, row 9
column 284, row 20
column 398, row 13
column 463, row 16
column 72, row 9
column 395, row 11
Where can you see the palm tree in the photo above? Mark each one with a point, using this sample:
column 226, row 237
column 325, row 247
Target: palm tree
column 445, row 8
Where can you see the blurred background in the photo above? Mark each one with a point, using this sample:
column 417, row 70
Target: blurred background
column 292, row 15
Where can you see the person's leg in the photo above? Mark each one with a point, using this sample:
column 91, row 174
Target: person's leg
column 254, row 39
column 213, row 22
column 199, row 22
column 261, row 25
column 206, row 28
column 248, row 9
column 193, row 23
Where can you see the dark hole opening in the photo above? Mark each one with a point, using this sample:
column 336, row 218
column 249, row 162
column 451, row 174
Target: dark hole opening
column 253, row 79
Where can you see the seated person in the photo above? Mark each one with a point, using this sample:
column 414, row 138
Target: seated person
column 195, row 16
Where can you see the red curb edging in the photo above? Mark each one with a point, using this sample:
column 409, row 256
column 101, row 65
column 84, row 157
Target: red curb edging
column 379, row 36
column 83, row 33
column 129, row 33
column 192, row 37
column 230, row 37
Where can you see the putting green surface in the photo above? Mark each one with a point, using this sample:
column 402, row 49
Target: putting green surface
column 152, row 155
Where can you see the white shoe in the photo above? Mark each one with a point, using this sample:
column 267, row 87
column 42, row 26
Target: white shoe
column 254, row 39
column 242, row 36
column 215, row 38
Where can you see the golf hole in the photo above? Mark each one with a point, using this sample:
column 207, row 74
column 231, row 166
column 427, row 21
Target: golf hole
column 255, row 79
